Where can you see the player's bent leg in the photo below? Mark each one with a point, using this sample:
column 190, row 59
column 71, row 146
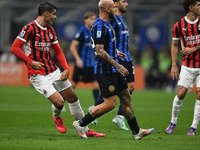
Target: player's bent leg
column 69, row 95
column 58, row 103
column 177, row 104
column 137, row 132
column 108, row 104
column 131, row 87
column 95, row 122
column 126, row 104
column 77, row 112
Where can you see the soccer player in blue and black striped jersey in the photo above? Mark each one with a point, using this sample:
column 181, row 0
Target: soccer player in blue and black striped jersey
column 122, row 34
column 83, row 53
column 110, row 74
column 122, row 40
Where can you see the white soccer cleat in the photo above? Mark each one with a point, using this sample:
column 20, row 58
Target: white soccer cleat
column 142, row 133
column 80, row 130
column 119, row 120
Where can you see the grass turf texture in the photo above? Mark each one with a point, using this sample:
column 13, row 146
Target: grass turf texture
column 26, row 123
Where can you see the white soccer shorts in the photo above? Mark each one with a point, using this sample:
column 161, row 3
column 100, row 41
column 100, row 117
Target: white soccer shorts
column 49, row 84
column 189, row 76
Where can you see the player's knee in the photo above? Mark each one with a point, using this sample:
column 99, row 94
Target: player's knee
column 131, row 87
column 59, row 104
column 182, row 91
column 111, row 104
column 114, row 103
column 72, row 97
column 181, row 95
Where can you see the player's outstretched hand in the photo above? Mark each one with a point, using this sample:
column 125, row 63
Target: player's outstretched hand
column 122, row 70
column 65, row 75
column 36, row 65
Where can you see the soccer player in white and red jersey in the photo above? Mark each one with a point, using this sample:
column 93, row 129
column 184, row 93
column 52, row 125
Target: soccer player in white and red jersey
column 187, row 31
column 37, row 38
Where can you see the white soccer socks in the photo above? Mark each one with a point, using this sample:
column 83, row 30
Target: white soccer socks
column 76, row 110
column 196, row 114
column 177, row 104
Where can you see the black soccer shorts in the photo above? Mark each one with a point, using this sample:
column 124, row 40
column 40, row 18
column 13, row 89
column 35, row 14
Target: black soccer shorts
column 111, row 84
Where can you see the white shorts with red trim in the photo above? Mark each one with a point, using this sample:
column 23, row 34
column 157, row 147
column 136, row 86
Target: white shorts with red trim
column 188, row 77
column 49, row 84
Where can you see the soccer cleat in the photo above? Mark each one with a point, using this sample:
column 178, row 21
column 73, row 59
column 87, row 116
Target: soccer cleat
column 142, row 133
column 94, row 122
column 92, row 133
column 170, row 128
column 192, row 131
column 80, row 130
column 119, row 120
column 59, row 124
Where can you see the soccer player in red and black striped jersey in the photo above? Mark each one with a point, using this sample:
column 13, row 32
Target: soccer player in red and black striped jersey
column 187, row 31
column 37, row 38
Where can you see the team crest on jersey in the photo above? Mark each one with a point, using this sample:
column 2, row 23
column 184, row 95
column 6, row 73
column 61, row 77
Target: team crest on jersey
column 98, row 34
column 51, row 36
column 45, row 92
column 111, row 88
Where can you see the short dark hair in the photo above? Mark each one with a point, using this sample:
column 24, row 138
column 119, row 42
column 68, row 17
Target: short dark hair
column 46, row 6
column 116, row 0
column 187, row 3
column 88, row 14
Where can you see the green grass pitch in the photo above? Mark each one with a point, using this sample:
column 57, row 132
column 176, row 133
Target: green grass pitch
column 26, row 123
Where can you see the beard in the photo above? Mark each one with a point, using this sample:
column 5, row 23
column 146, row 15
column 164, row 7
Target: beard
column 122, row 10
column 111, row 15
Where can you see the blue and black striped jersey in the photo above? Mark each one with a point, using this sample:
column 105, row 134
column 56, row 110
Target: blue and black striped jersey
column 85, row 49
column 103, row 33
column 122, row 35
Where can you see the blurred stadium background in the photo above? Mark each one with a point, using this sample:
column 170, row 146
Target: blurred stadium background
column 150, row 23
column 25, row 115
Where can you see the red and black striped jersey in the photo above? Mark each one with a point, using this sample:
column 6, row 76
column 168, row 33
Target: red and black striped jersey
column 37, row 46
column 189, row 34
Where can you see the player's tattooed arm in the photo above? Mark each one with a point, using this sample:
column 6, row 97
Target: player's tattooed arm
column 103, row 55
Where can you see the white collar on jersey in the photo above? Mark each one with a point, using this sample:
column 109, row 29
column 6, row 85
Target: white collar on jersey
column 191, row 22
column 43, row 28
